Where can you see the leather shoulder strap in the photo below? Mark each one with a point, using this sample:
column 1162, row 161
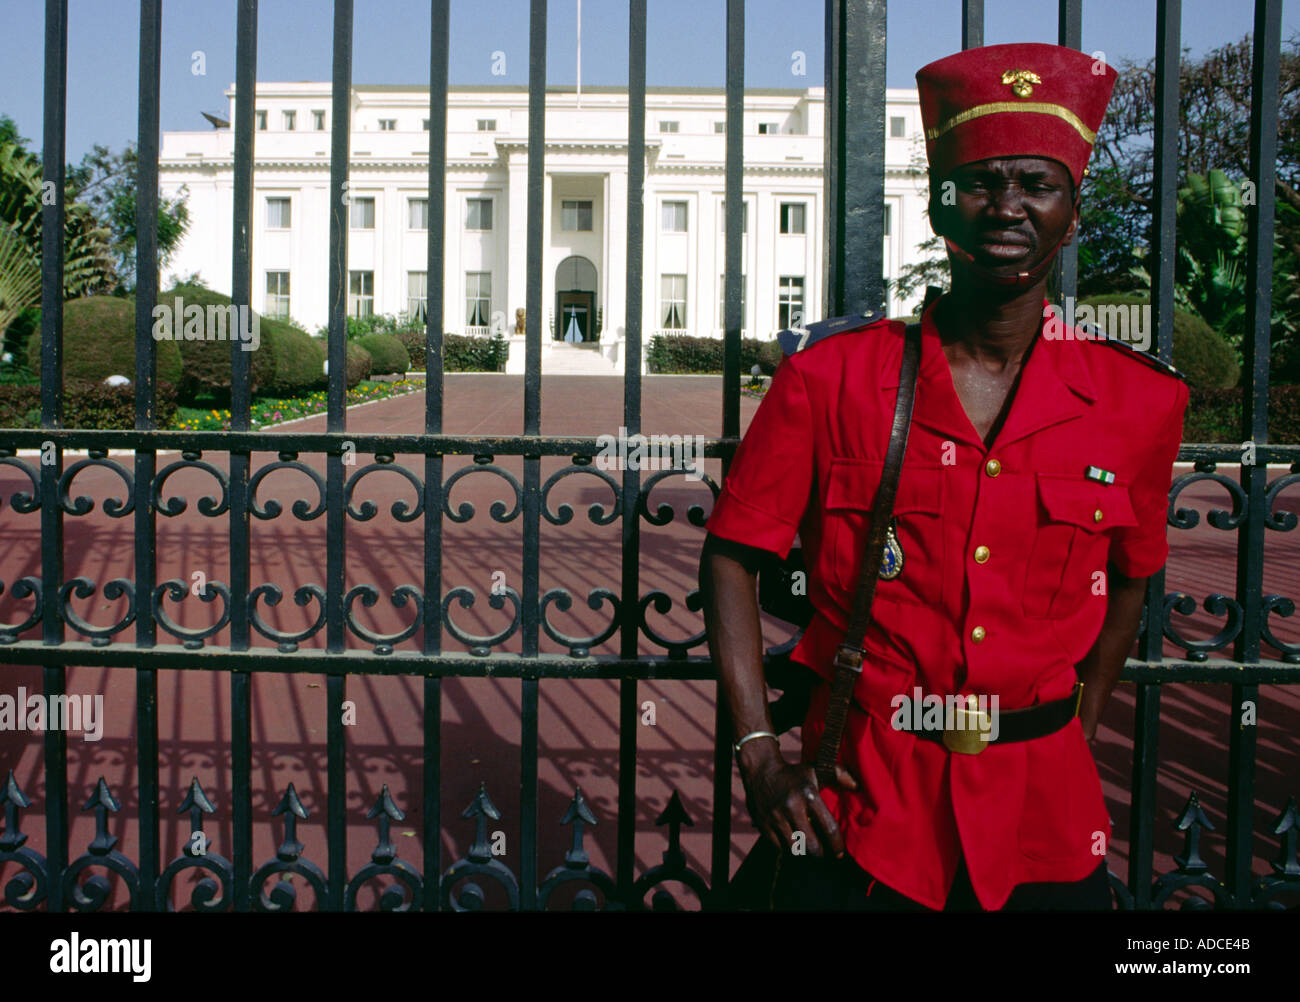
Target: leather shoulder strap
column 848, row 660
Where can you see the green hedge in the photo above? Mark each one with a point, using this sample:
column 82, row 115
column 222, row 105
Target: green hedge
column 412, row 339
column 471, row 353
column 684, row 354
column 99, row 341
column 286, row 362
column 359, row 364
column 1214, row 415
column 388, row 352
column 86, row 404
column 1200, row 353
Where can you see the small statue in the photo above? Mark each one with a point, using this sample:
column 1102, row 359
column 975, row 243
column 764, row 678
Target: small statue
column 519, row 320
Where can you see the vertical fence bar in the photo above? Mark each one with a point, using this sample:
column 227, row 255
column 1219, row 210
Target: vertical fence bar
column 532, row 462
column 1265, row 58
column 629, row 637
column 52, row 213
column 732, row 323
column 146, row 294
column 1164, row 242
column 1142, row 804
column 854, row 162
column 336, row 421
column 241, row 733
column 972, row 24
column 1069, row 33
column 439, row 42
column 1142, row 812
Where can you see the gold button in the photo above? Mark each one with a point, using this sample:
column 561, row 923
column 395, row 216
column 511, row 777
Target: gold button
column 992, row 467
column 977, row 634
column 981, row 554
column 1096, row 515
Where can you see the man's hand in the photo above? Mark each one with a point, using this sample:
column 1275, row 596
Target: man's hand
column 783, row 799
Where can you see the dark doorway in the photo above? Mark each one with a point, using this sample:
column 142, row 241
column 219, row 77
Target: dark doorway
column 575, row 313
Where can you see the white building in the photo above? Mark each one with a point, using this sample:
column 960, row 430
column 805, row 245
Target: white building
column 585, row 208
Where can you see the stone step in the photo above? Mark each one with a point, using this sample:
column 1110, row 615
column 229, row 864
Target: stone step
column 560, row 359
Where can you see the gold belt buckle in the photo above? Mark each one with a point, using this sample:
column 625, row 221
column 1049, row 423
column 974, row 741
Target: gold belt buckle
column 970, row 725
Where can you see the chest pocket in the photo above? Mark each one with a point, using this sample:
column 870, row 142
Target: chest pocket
column 1071, row 541
column 850, row 496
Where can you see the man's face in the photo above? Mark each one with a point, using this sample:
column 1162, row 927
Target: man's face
column 1010, row 213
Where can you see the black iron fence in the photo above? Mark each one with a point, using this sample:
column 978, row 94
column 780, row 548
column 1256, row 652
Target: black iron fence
column 854, row 185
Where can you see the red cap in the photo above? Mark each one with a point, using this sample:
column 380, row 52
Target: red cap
column 1028, row 99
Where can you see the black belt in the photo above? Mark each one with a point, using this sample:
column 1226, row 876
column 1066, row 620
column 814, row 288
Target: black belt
column 968, row 735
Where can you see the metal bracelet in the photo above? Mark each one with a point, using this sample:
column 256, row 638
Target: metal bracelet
column 751, row 735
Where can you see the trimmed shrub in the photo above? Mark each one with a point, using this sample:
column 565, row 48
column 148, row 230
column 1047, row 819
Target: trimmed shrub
column 471, row 353
column 1200, row 353
column 99, row 341
column 769, row 356
column 86, row 404
column 388, row 353
column 286, row 361
column 359, row 364
column 297, row 360
column 683, row 353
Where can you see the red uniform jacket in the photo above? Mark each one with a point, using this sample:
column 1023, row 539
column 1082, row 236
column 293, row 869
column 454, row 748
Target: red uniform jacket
column 810, row 464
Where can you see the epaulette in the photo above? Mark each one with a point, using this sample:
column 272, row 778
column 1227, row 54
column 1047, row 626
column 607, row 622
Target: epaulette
column 799, row 338
column 1146, row 358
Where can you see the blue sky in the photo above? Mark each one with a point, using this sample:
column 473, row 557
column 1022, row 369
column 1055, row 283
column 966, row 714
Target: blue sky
column 685, row 45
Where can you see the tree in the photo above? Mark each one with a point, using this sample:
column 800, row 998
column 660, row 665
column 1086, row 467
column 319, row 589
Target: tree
column 1213, row 142
column 107, row 182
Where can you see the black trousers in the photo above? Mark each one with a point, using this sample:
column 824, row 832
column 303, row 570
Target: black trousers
column 767, row 881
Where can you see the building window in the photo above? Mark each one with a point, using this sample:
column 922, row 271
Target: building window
column 889, row 211
column 744, row 216
column 361, row 293
column 318, row 120
column 669, row 126
column 277, row 294
column 478, row 298
column 478, row 214
column 789, row 311
column 575, row 214
column 672, row 310
column 792, row 217
column 674, row 217
column 769, row 128
column 277, row 214
column 363, row 214
column 897, row 127
column 260, row 118
column 487, row 125
column 424, row 124
column 417, row 213
column 290, row 120
column 722, row 303
column 417, row 294
column 720, row 126
column 387, row 124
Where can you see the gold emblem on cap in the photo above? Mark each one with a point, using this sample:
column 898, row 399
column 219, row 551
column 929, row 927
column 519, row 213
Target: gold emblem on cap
column 1021, row 81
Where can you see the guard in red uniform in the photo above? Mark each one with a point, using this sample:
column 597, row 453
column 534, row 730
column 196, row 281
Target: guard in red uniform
column 1031, row 508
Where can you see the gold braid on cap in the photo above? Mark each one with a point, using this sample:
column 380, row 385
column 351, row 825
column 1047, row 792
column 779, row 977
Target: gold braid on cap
column 997, row 107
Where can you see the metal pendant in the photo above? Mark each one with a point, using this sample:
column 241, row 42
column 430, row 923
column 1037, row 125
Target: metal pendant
column 891, row 561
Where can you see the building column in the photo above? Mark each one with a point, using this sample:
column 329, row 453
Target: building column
column 614, row 299
column 517, row 236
